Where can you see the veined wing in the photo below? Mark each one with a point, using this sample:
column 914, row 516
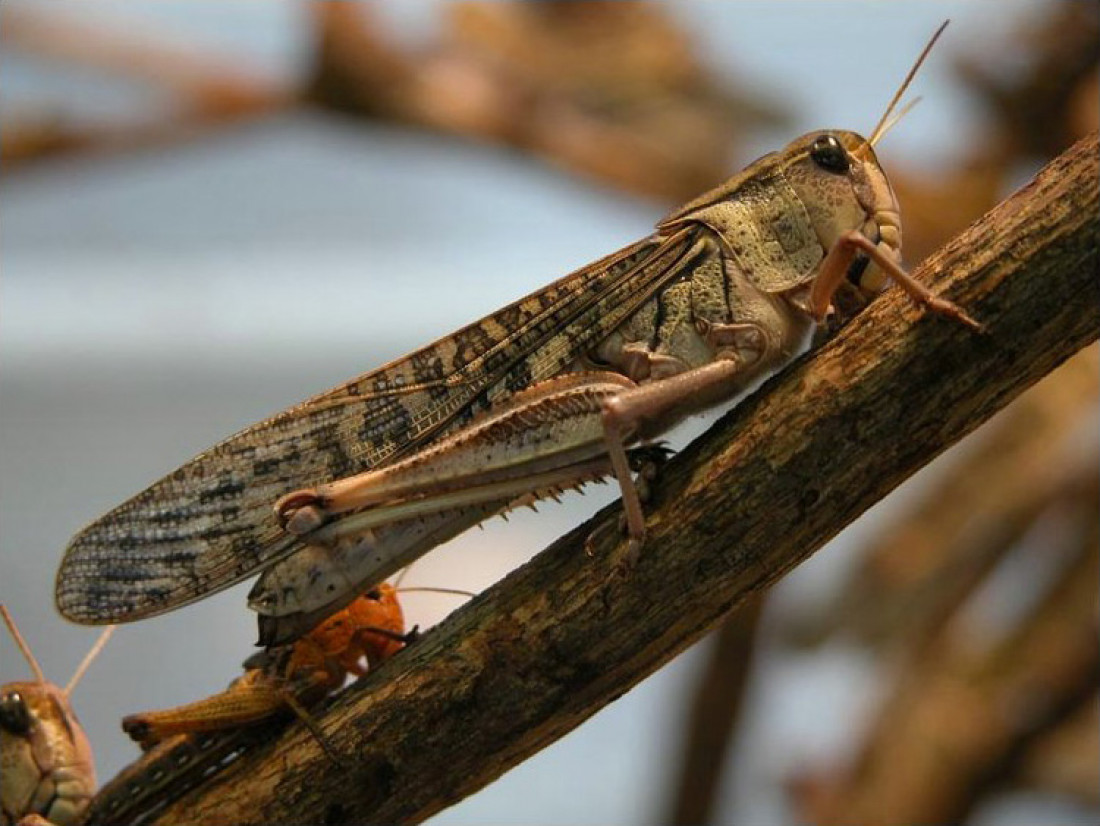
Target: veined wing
column 209, row 524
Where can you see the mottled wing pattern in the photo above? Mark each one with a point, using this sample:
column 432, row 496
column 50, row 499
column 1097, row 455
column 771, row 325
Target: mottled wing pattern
column 210, row 524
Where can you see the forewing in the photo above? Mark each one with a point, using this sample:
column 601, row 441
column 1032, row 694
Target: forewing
column 210, row 524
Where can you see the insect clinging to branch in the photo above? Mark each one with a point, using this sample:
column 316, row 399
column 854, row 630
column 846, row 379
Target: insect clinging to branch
column 370, row 628
column 559, row 388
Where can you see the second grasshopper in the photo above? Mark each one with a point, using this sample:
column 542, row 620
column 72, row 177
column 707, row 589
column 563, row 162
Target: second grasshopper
column 47, row 773
column 333, row 495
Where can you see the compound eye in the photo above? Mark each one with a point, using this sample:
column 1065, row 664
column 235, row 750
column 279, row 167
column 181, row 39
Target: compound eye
column 14, row 716
column 827, row 153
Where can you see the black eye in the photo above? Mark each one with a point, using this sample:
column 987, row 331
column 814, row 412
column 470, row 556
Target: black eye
column 14, row 716
column 374, row 594
column 829, row 154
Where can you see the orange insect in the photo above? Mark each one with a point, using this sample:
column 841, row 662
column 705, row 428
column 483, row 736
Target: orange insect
column 371, row 628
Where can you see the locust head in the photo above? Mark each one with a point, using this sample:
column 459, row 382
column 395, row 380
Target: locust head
column 44, row 754
column 40, row 739
column 800, row 221
column 843, row 187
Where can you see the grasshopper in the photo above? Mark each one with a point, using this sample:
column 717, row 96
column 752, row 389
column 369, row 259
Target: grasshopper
column 552, row 391
column 371, row 627
column 370, row 630
column 47, row 775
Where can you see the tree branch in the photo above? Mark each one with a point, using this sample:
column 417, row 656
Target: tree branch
column 540, row 652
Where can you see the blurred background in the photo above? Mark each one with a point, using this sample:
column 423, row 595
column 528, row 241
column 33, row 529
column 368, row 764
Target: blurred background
column 213, row 210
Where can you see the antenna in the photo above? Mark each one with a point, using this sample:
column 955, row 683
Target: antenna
column 91, row 655
column 905, row 110
column 22, row 644
column 885, row 122
column 425, row 589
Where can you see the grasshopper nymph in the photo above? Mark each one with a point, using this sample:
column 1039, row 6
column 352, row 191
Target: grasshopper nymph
column 547, row 393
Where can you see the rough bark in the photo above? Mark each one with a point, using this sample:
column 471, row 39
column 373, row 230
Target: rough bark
column 558, row 639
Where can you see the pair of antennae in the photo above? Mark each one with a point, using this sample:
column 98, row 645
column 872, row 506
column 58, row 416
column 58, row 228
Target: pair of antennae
column 886, row 123
column 33, row 663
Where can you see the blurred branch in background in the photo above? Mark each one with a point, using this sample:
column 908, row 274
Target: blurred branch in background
column 969, row 706
column 612, row 91
column 197, row 91
column 1044, row 97
column 1063, row 760
column 714, row 715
